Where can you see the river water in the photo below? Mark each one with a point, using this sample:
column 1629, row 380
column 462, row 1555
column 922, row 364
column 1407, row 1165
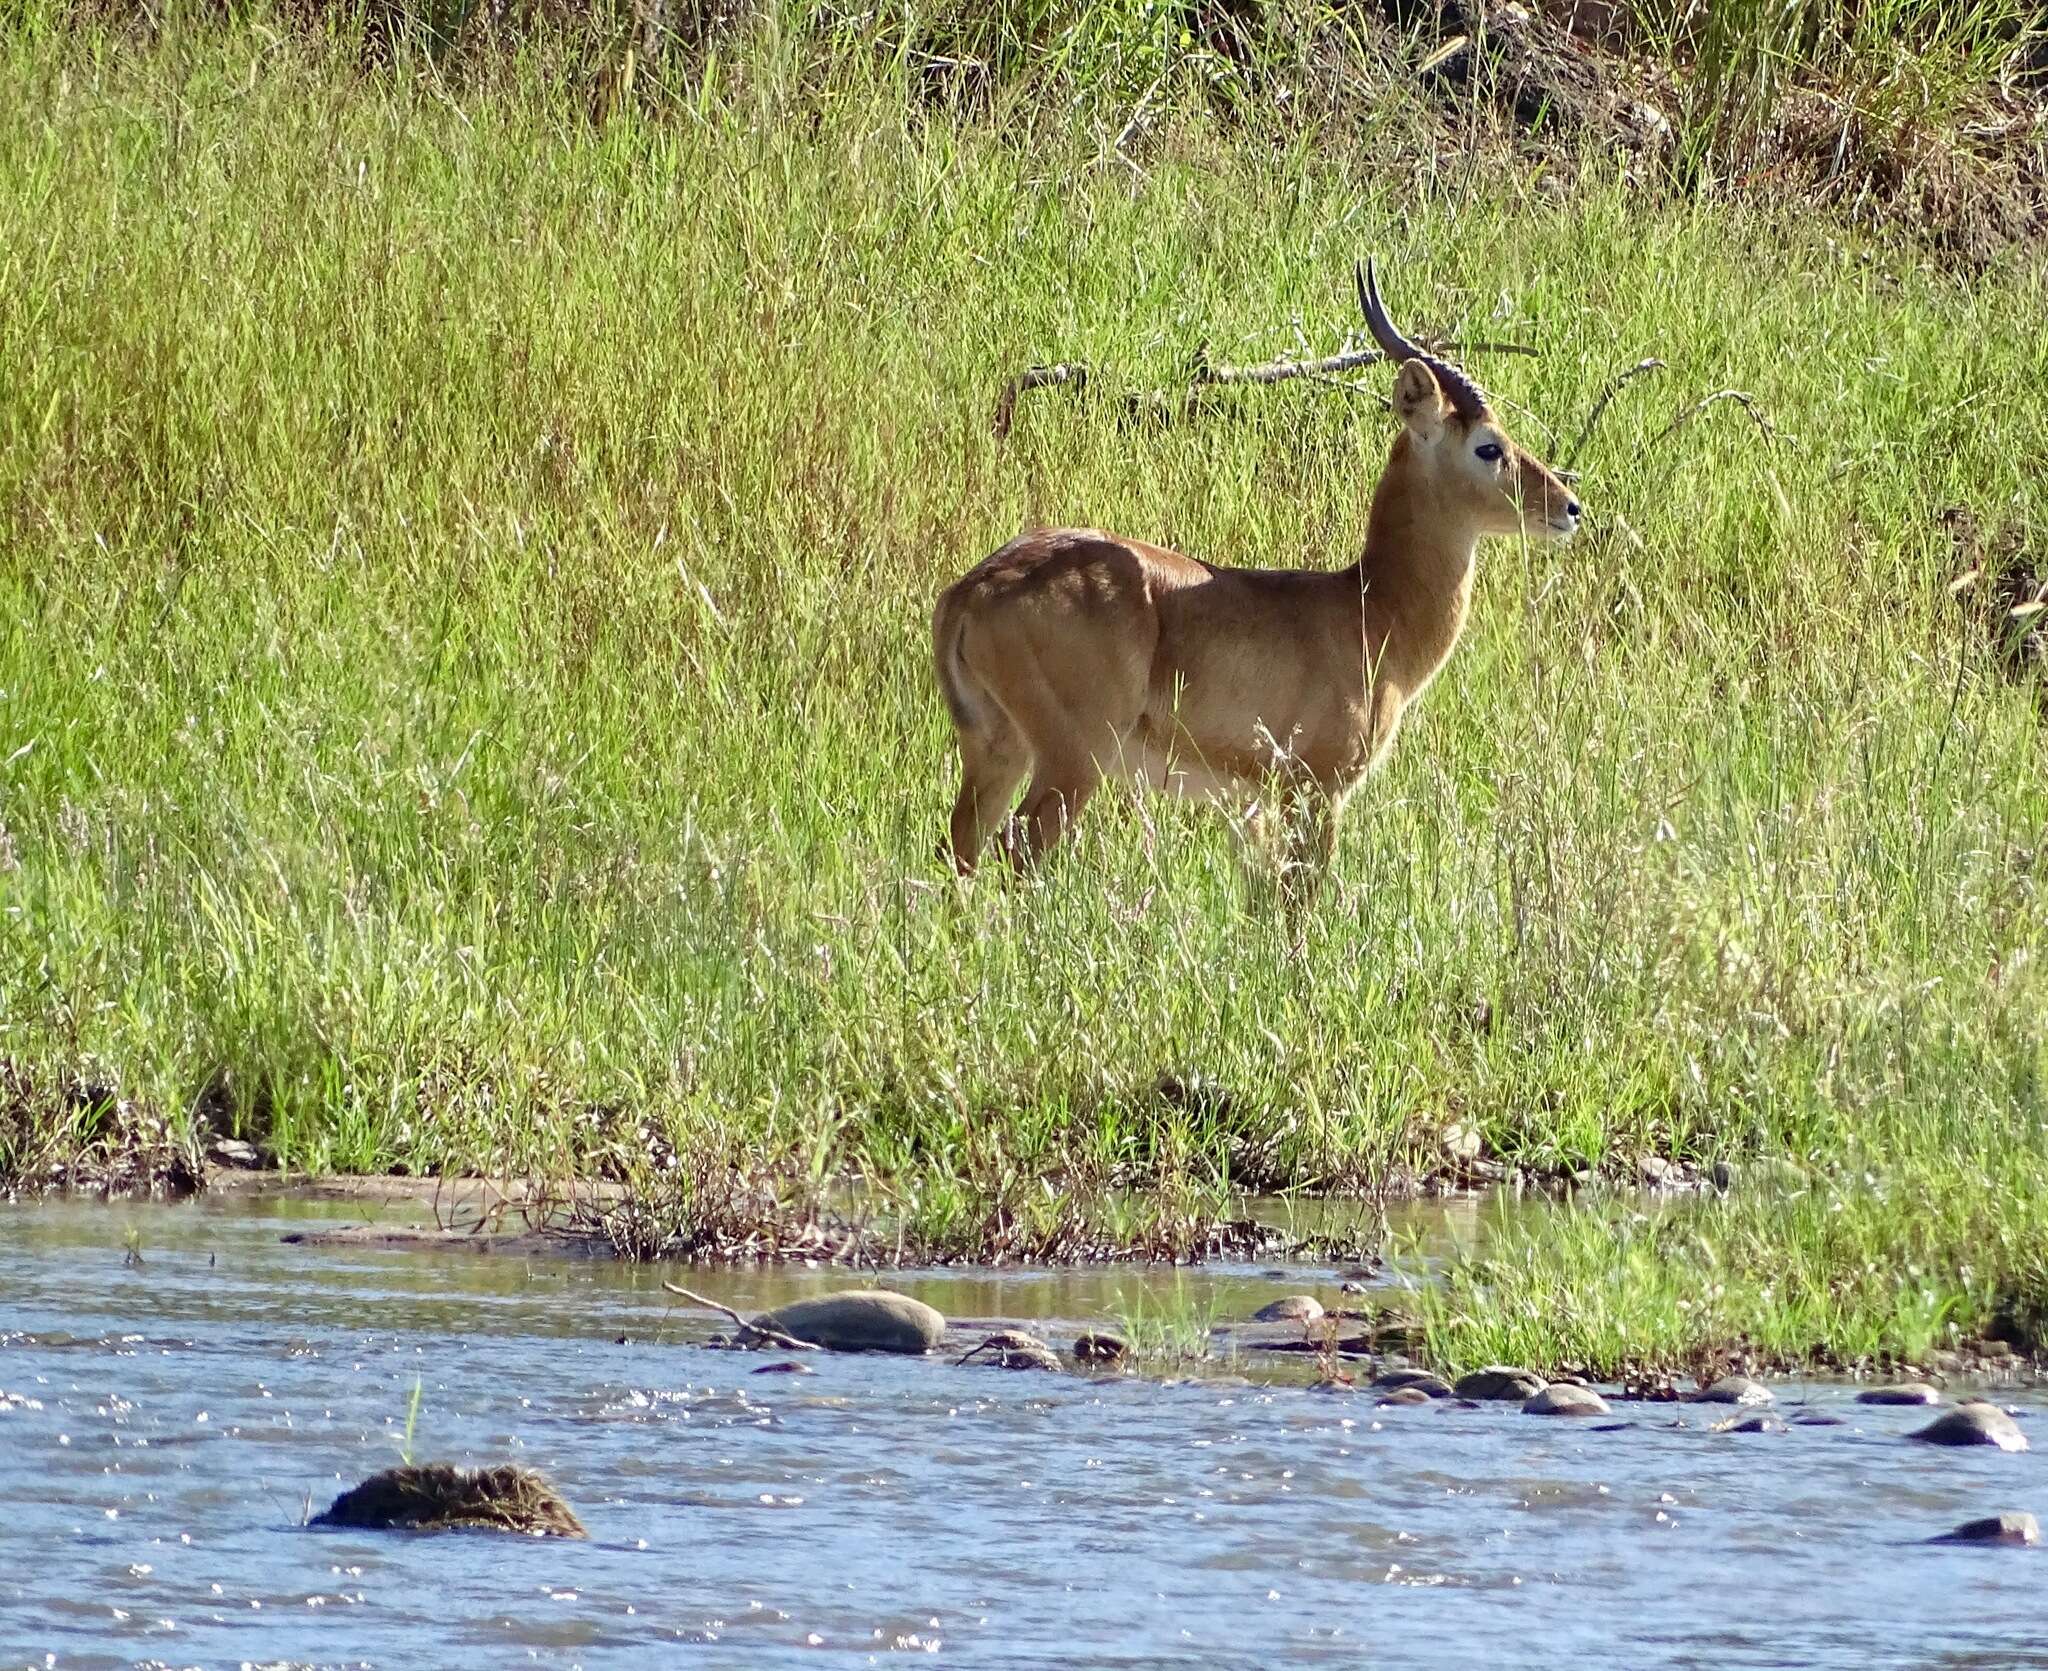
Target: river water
column 164, row 1426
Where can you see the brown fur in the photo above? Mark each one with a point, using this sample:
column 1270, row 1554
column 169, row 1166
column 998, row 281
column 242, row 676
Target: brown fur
column 1071, row 654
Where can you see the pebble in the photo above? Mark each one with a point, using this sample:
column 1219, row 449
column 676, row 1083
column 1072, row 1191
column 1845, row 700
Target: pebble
column 2013, row 1527
column 1561, row 1398
column 861, row 1320
column 1736, row 1389
column 1296, row 1308
column 1906, row 1392
column 1500, row 1381
column 1975, row 1423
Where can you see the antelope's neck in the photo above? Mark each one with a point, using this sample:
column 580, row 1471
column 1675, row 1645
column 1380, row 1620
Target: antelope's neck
column 1416, row 571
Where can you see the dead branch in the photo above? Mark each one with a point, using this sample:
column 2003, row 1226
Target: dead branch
column 1615, row 384
column 1203, row 375
column 1741, row 397
column 749, row 1332
column 1037, row 377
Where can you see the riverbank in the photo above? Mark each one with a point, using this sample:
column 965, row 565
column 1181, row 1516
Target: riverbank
column 465, row 585
column 192, row 1411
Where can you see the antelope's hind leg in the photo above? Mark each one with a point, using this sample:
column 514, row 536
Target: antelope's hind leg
column 993, row 761
column 1052, row 805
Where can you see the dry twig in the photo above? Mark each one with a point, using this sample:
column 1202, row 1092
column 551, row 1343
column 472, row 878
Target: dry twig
column 749, row 1332
column 1741, row 397
column 1615, row 384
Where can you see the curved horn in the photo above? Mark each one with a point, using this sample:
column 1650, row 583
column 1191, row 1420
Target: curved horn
column 1467, row 399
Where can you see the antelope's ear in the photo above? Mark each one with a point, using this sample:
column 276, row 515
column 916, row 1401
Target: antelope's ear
column 1418, row 402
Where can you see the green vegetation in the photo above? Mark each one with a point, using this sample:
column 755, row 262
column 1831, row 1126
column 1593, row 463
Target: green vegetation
column 1166, row 1327
column 464, row 701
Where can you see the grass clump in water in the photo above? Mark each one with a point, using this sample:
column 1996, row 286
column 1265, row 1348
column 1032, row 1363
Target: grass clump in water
column 439, row 1497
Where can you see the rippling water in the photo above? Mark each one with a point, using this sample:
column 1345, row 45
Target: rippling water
column 163, row 1427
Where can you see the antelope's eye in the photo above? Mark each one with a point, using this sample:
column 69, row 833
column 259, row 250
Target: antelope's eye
column 1489, row 451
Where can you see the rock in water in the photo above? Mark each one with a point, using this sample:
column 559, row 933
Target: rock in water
column 1405, row 1395
column 1500, row 1381
column 1296, row 1308
column 1097, row 1347
column 2016, row 1528
column 1906, row 1392
column 1975, row 1423
column 1736, row 1389
column 1562, row 1398
column 439, row 1497
column 1418, row 1380
column 860, row 1320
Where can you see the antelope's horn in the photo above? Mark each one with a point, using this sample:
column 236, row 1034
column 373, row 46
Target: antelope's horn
column 1467, row 399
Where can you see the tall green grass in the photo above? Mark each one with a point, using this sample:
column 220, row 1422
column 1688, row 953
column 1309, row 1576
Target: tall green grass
column 1889, row 74
column 464, row 690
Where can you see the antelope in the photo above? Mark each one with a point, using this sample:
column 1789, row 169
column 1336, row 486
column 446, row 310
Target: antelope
column 1071, row 655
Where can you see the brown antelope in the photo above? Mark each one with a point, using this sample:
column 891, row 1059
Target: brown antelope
column 1070, row 654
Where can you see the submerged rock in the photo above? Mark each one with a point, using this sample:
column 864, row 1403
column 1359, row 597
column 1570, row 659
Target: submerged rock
column 2013, row 1527
column 1296, row 1308
column 1412, row 1380
column 860, row 1320
column 1405, row 1395
column 1014, row 1349
column 439, row 1497
column 1975, row 1423
column 1098, row 1347
column 1906, row 1392
column 1562, row 1398
column 1736, row 1389
column 788, row 1366
column 1500, row 1381
column 1755, row 1422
